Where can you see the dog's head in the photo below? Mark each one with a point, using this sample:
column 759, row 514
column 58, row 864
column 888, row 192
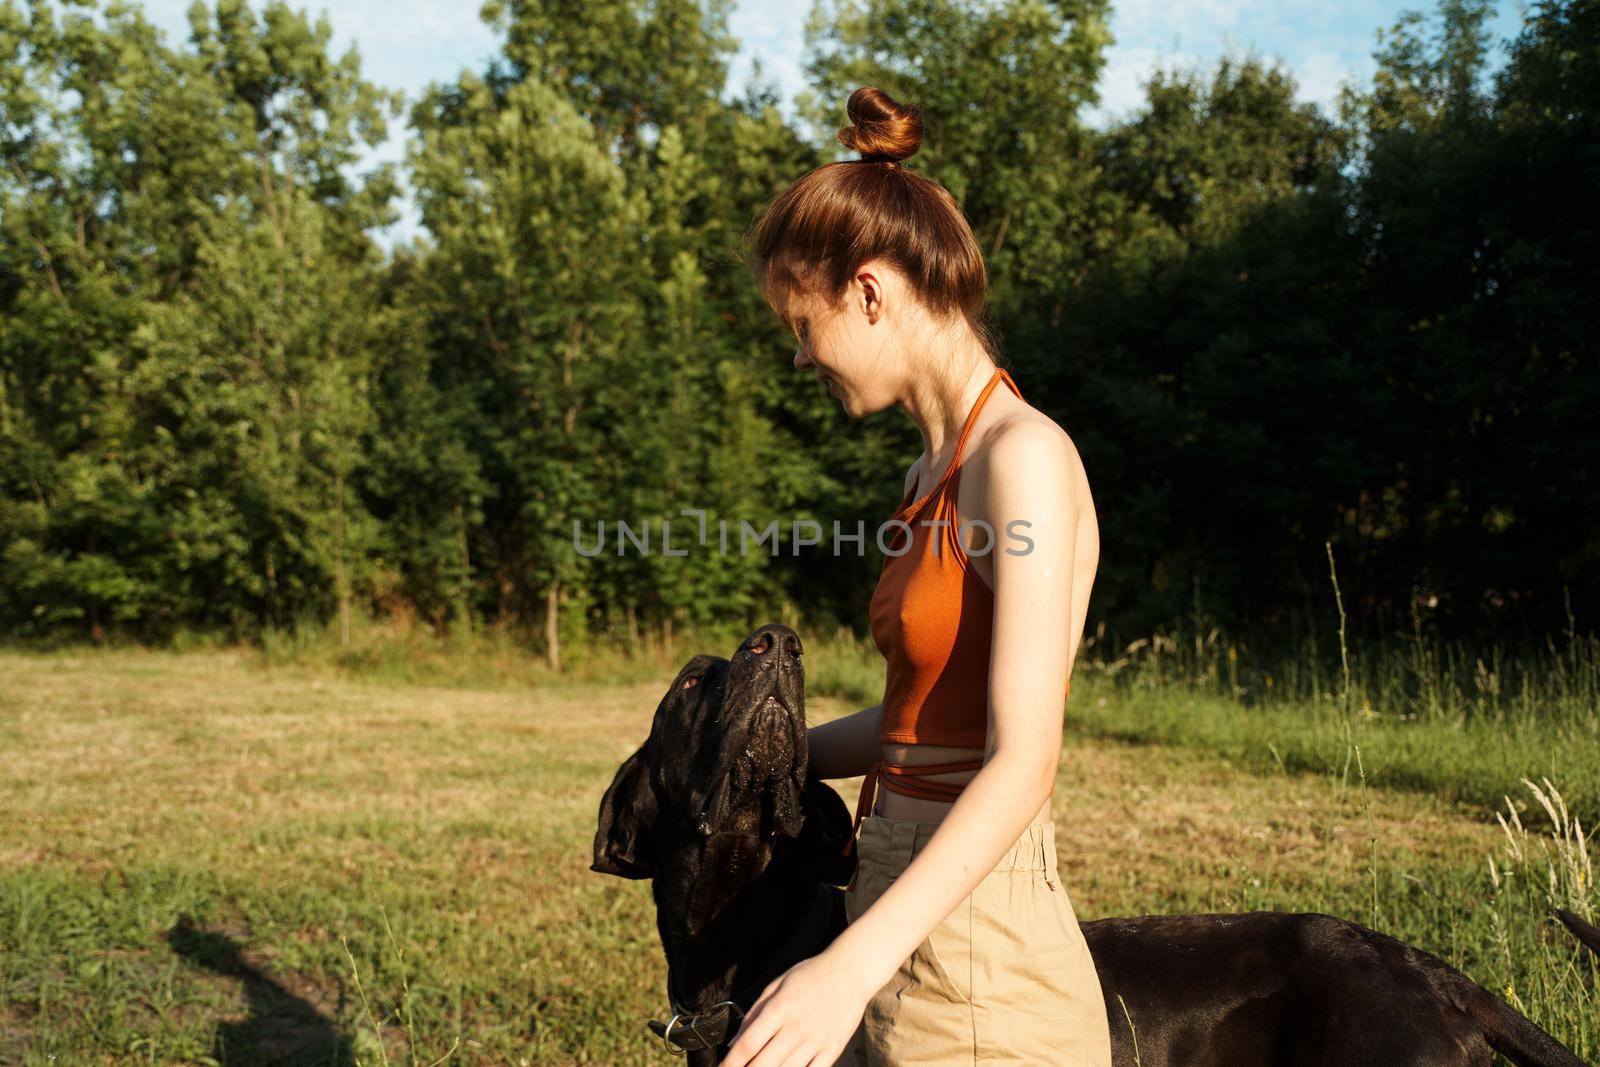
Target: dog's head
column 726, row 756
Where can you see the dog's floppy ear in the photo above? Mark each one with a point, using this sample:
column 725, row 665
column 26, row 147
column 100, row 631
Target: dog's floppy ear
column 826, row 833
column 623, row 843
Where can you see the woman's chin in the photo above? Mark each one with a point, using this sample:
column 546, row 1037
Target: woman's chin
column 846, row 399
column 847, row 404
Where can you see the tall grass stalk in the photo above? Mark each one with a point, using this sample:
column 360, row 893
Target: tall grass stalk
column 402, row 1007
column 366, row 1005
column 1345, row 704
column 1538, row 872
column 1133, row 1031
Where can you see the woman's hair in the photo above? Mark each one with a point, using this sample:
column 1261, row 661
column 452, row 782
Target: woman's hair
column 815, row 234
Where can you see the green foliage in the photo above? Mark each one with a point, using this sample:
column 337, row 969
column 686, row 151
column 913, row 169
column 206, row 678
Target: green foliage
column 188, row 316
column 1367, row 334
column 1265, row 327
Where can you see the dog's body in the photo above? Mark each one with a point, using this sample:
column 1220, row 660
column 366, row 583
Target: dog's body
column 1268, row 988
column 745, row 856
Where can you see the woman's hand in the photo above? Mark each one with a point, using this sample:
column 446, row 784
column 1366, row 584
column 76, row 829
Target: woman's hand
column 804, row 1018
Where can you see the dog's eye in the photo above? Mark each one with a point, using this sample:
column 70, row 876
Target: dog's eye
column 689, row 683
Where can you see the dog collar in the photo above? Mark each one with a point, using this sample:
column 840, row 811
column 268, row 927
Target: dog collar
column 695, row 1031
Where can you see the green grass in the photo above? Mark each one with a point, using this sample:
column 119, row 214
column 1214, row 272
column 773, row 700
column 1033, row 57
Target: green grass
column 379, row 854
column 1476, row 762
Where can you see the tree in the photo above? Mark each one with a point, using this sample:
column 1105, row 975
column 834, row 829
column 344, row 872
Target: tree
column 537, row 241
column 184, row 310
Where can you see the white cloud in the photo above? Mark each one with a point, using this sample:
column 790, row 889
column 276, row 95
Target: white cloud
column 1320, row 73
column 411, row 22
column 1177, row 17
column 404, row 44
column 773, row 30
column 373, row 23
column 1126, row 71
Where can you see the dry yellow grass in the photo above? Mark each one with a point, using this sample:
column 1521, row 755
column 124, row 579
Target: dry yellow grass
column 284, row 808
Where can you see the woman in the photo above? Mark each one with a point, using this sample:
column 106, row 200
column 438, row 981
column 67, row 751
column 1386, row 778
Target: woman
column 962, row 943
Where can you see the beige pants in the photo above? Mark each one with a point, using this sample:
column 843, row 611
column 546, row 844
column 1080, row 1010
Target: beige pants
column 1005, row 978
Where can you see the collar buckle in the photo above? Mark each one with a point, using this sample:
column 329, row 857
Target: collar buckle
column 720, row 1018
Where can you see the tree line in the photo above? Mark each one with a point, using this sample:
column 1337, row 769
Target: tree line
column 223, row 406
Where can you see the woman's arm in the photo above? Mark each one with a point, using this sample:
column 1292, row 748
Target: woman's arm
column 845, row 747
column 1036, row 477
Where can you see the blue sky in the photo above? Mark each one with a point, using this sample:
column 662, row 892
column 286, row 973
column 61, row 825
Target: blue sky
column 405, row 44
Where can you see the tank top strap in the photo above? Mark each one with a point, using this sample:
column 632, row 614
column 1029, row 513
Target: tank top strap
column 972, row 416
column 952, row 476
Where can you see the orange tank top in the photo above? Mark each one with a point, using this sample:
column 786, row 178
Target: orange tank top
column 932, row 617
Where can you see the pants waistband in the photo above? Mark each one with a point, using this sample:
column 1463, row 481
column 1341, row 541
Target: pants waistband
column 897, row 842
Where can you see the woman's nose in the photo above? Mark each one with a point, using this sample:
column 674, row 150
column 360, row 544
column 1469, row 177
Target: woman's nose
column 801, row 360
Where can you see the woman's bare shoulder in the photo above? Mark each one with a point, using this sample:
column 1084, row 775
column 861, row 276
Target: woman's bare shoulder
column 1026, row 448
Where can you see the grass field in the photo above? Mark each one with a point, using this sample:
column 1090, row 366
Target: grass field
column 220, row 856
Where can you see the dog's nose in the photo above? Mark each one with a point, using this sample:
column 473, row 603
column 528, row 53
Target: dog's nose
column 775, row 635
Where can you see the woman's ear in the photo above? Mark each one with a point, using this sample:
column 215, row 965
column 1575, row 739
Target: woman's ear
column 871, row 288
column 623, row 843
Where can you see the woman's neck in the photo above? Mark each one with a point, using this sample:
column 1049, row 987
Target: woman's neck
column 938, row 402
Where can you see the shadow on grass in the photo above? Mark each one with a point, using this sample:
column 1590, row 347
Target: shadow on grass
column 282, row 1027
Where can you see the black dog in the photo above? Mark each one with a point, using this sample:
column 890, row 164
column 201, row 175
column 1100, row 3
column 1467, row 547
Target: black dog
column 746, row 855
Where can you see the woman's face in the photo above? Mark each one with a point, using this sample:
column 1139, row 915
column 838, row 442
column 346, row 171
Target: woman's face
column 845, row 346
